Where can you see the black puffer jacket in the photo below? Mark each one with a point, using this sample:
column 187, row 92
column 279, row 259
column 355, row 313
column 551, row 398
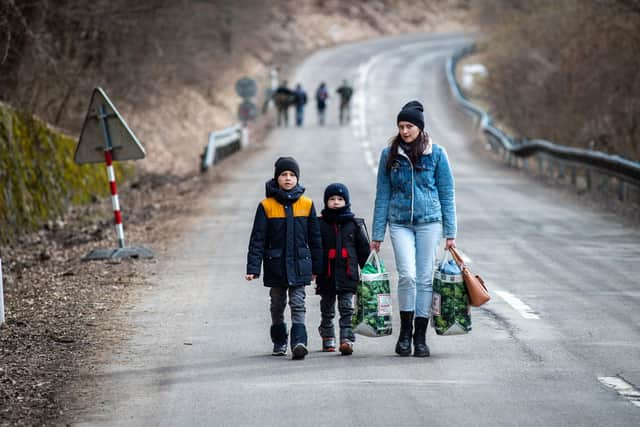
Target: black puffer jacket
column 345, row 245
column 285, row 238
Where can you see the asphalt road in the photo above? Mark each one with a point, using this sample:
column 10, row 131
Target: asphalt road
column 564, row 280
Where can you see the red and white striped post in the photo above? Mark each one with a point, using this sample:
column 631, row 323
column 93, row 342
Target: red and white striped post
column 114, row 197
column 106, row 137
column 108, row 157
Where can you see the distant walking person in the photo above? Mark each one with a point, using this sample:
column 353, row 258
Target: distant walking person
column 301, row 101
column 283, row 97
column 415, row 195
column 285, row 241
column 345, row 91
column 321, row 102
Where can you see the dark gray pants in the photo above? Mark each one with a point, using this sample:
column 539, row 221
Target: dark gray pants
column 279, row 303
column 328, row 310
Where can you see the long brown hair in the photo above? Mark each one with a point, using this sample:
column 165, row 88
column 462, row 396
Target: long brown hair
column 417, row 147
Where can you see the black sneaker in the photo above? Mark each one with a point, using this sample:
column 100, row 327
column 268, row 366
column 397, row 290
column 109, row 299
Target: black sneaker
column 279, row 350
column 299, row 351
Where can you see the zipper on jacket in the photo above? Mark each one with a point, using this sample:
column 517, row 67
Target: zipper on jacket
column 412, row 184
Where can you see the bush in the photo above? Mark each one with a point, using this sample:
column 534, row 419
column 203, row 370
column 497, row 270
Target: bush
column 39, row 177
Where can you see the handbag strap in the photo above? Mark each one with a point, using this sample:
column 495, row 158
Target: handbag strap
column 457, row 258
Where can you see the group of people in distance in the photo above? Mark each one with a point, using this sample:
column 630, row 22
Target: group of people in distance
column 285, row 98
column 291, row 246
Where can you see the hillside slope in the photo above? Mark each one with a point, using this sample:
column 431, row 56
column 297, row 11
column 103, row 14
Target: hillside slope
column 170, row 68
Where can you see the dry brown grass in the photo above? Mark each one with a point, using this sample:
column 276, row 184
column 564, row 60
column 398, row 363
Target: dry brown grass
column 566, row 71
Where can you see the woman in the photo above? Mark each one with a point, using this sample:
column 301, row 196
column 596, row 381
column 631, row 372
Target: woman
column 415, row 195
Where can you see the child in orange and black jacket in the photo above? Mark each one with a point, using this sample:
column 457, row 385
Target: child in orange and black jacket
column 285, row 240
column 345, row 246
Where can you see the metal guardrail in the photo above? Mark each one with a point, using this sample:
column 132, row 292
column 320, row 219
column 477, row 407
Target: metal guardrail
column 222, row 144
column 553, row 158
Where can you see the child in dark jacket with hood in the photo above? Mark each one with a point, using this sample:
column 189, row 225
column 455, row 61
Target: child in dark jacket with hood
column 285, row 240
column 345, row 246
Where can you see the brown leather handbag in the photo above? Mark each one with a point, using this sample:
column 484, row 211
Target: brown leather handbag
column 476, row 289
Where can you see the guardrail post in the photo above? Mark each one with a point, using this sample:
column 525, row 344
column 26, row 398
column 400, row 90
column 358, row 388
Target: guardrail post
column 1, row 297
column 540, row 164
column 244, row 139
column 621, row 188
column 603, row 184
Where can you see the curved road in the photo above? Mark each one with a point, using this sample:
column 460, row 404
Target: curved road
column 564, row 318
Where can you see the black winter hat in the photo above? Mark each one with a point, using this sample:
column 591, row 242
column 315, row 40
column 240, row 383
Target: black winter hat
column 336, row 189
column 286, row 164
column 412, row 112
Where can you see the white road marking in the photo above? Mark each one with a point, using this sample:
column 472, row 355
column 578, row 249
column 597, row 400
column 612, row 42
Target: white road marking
column 623, row 388
column 359, row 103
column 517, row 304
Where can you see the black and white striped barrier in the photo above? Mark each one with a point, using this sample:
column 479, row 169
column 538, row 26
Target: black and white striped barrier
column 223, row 143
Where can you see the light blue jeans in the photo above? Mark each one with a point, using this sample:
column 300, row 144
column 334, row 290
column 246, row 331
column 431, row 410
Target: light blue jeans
column 414, row 247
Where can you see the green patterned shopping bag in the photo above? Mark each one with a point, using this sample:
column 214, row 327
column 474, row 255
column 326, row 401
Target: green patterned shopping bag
column 450, row 308
column 372, row 316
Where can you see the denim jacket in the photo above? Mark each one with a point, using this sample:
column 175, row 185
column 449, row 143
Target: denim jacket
column 406, row 195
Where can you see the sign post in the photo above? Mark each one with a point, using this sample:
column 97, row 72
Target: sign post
column 104, row 122
column 246, row 88
column 247, row 111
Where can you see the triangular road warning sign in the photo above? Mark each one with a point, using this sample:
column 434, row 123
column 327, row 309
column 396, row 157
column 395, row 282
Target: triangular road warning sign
column 105, row 128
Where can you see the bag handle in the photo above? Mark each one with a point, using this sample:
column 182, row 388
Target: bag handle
column 445, row 258
column 374, row 259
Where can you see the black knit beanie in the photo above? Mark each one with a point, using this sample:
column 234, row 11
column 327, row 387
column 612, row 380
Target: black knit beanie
column 412, row 112
column 336, row 189
column 286, row 164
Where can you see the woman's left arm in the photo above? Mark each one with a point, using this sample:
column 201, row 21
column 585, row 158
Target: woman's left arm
column 447, row 195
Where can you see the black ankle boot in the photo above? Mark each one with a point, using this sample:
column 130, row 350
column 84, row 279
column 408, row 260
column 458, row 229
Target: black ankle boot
column 420, row 347
column 403, row 347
